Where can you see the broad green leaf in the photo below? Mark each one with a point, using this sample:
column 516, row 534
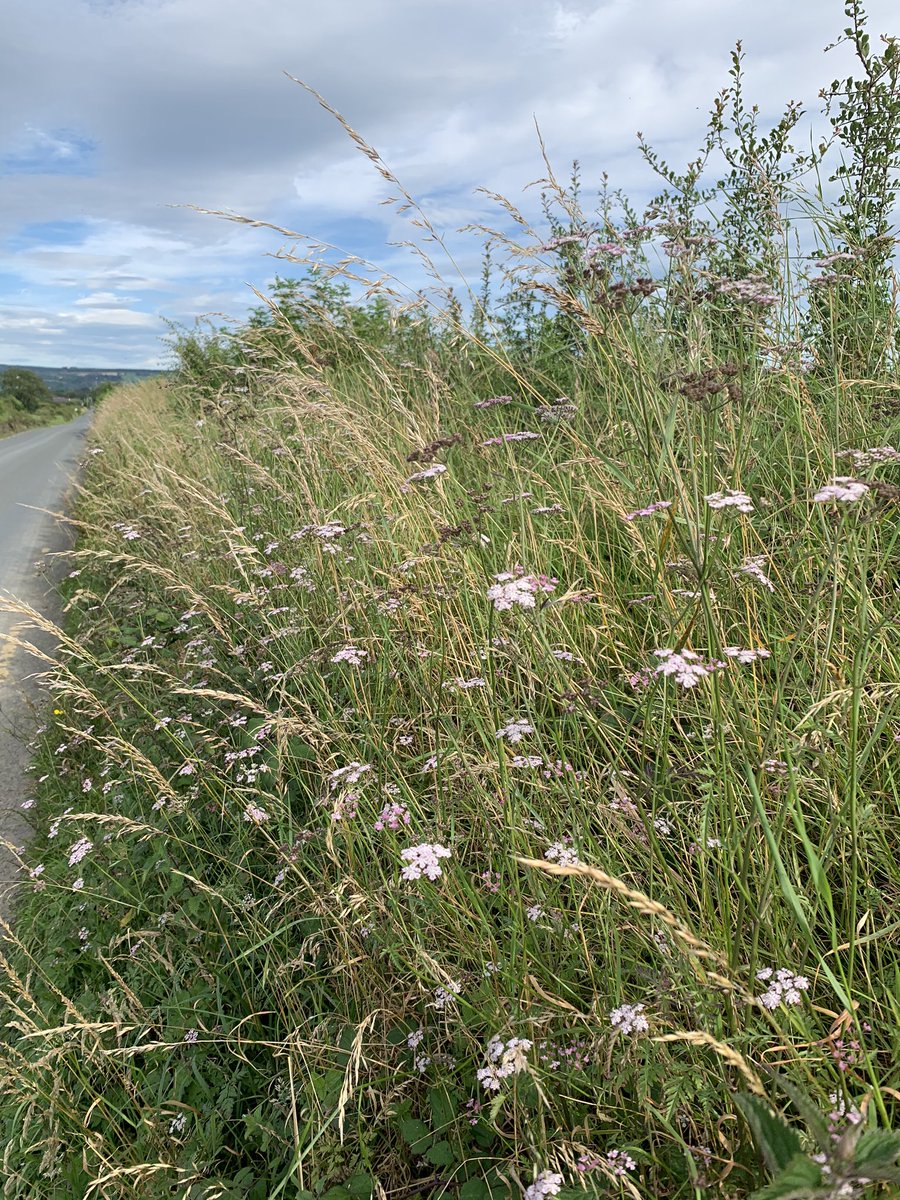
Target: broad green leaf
column 417, row 1134
column 878, row 1147
column 441, row 1154
column 775, row 1139
column 797, row 1181
column 473, row 1189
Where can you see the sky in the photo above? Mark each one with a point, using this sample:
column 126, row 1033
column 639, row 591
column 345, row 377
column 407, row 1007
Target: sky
column 118, row 116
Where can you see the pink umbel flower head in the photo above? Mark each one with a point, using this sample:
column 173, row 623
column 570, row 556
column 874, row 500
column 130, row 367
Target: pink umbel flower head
column 516, row 588
column 423, row 860
column 686, row 666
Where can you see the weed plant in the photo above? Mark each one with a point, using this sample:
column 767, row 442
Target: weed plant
column 473, row 765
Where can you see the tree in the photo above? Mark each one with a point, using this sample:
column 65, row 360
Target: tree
column 27, row 389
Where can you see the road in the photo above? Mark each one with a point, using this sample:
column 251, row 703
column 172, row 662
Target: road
column 37, row 469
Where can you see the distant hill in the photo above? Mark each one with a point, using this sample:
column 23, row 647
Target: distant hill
column 78, row 381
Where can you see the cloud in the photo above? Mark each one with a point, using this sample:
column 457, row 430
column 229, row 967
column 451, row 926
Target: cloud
column 126, row 109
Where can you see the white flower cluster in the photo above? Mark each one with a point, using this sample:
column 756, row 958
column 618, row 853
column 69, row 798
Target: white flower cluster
column 862, row 459
column 423, row 860
column 515, row 731
column 745, row 657
column 350, row 654
column 548, row 1183
column 753, row 566
column 429, row 473
column 784, row 987
column 562, row 853
column 730, row 499
column 629, row 1018
column 843, row 488
column 514, row 587
column 504, row 1059
column 687, row 667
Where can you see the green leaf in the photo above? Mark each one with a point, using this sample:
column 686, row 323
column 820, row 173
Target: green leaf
column 360, row 1185
column 473, row 1189
column 796, row 1182
column 878, row 1147
column 775, row 1139
column 444, row 1107
column 337, row 1193
column 807, row 1108
column 441, row 1154
column 417, row 1134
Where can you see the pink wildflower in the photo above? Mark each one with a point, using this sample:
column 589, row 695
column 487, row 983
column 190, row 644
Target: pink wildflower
column 423, row 860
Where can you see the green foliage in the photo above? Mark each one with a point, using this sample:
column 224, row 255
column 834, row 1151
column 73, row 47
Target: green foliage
column 287, row 664
column 27, row 389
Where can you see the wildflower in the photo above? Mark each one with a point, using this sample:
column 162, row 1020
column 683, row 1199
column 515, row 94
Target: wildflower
column 752, row 290
column 254, row 813
column 36, row 872
column 514, row 731
column 352, row 773
column 493, row 401
column 862, row 459
column 505, row 1059
column 423, row 860
column 78, row 884
column 562, row 853
column 841, row 1116
column 656, row 506
column 562, row 409
column 446, row 995
column 629, row 1018
column 350, row 654
column 753, row 566
column 566, row 656
column 730, row 499
column 428, row 473
column 620, row 1162
column 524, row 436
column 526, row 760
column 534, row 913
column 191, row 1037
column 415, row 1038
column 344, row 807
column 844, row 489
column 548, row 1183
column 745, row 657
column 783, row 987
column 515, row 587
column 128, row 532
column 77, row 852
column 687, row 667
column 176, row 1125
column 392, row 816
column 465, row 685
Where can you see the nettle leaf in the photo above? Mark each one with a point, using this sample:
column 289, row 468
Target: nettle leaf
column 878, row 1148
column 441, row 1154
column 444, row 1107
column 798, row 1181
column 416, row 1134
column 778, row 1143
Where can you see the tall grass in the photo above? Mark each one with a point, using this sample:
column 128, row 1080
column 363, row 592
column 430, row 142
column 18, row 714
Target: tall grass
column 649, row 758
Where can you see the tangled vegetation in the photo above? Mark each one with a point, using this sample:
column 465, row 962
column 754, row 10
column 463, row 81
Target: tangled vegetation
column 473, row 765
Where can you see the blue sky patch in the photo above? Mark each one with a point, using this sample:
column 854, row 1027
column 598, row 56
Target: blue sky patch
column 50, row 152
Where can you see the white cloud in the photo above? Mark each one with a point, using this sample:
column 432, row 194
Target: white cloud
column 186, row 101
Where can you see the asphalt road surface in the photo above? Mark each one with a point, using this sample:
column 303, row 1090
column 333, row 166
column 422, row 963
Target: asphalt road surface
column 37, row 469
